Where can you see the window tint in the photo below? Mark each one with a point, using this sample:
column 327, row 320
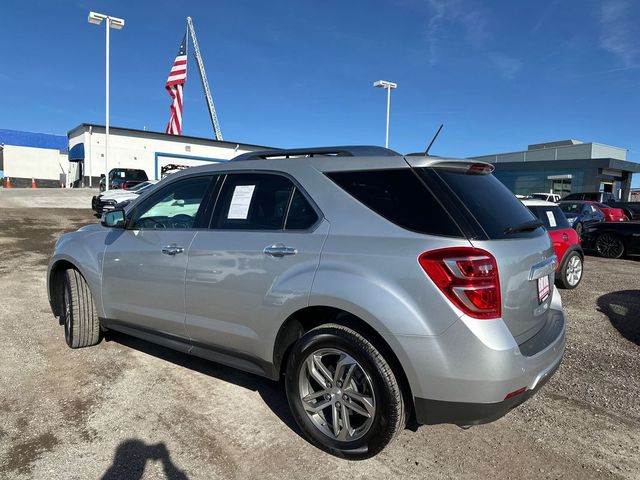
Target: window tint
column 492, row 205
column 175, row 206
column 400, row 197
column 552, row 217
column 301, row 215
column 253, row 201
column 571, row 208
column 136, row 175
column 573, row 196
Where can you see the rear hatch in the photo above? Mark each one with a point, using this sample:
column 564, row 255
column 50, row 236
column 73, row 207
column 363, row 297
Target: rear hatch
column 495, row 221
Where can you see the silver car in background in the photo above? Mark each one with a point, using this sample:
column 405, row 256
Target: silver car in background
column 387, row 290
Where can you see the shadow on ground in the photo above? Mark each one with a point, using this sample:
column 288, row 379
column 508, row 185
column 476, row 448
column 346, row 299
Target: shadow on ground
column 272, row 393
column 131, row 459
column 623, row 310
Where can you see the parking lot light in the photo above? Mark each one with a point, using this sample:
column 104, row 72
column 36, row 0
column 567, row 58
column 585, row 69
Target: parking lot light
column 388, row 86
column 117, row 23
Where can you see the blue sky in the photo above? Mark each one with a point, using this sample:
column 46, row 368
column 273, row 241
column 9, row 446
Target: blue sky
column 499, row 74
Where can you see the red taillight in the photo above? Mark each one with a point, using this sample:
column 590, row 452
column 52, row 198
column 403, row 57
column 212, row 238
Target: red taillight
column 468, row 277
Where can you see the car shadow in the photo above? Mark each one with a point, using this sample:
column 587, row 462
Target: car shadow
column 131, row 458
column 271, row 392
column 623, row 310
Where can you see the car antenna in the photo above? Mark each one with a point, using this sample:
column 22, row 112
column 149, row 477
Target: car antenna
column 426, row 152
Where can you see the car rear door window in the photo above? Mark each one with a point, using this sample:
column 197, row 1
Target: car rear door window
column 253, row 201
column 399, row 196
column 301, row 214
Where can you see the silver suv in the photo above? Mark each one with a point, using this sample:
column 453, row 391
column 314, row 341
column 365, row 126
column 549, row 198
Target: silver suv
column 388, row 290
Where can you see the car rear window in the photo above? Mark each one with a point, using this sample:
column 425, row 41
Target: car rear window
column 489, row 202
column 572, row 208
column 552, row 217
column 399, row 196
column 136, row 175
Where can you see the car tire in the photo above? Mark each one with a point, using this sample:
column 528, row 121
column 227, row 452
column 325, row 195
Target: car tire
column 609, row 245
column 579, row 229
column 360, row 417
column 571, row 271
column 79, row 315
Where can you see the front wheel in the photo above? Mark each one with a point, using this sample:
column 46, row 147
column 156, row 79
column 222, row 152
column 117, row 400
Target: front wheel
column 579, row 230
column 570, row 272
column 79, row 315
column 343, row 393
column 609, row 245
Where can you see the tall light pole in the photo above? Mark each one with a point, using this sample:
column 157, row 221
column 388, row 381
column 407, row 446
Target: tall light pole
column 388, row 86
column 117, row 23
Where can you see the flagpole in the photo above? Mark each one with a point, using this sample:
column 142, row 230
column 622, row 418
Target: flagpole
column 186, row 47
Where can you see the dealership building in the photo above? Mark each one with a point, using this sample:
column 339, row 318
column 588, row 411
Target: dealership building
column 78, row 159
column 143, row 149
column 564, row 167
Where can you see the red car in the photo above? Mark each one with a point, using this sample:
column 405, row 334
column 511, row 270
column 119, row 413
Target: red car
column 566, row 242
column 611, row 214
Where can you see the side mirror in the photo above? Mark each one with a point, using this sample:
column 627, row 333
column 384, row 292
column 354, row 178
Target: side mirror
column 102, row 175
column 113, row 219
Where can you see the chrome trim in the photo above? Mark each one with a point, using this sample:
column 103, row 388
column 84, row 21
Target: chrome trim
column 545, row 267
column 279, row 250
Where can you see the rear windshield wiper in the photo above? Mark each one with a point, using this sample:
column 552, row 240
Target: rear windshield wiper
column 524, row 227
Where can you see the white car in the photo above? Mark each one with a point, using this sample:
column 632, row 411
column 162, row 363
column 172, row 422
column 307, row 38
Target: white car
column 108, row 200
column 547, row 197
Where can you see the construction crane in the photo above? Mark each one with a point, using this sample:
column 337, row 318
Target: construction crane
column 205, row 84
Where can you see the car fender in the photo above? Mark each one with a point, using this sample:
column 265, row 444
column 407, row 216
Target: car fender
column 383, row 306
column 84, row 249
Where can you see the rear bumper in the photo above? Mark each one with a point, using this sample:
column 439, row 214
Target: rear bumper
column 464, row 375
column 432, row 412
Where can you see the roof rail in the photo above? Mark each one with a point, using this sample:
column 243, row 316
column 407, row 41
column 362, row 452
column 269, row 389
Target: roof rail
column 341, row 151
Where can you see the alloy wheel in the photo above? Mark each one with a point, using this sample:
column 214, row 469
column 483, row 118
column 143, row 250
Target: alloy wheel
column 574, row 270
column 337, row 394
column 609, row 246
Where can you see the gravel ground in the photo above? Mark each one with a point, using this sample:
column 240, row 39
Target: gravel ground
column 127, row 409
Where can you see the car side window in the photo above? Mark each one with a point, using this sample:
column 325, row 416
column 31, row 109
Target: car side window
column 253, row 201
column 173, row 207
column 301, row 214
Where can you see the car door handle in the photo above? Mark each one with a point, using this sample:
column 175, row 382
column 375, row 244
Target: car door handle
column 172, row 250
column 279, row 250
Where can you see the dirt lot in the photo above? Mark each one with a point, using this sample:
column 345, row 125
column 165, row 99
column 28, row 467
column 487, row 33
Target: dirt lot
column 128, row 409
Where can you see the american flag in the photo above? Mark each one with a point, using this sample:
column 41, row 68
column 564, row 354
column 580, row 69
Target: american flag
column 175, row 84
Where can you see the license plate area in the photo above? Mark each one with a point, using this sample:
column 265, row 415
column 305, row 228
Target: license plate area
column 543, row 288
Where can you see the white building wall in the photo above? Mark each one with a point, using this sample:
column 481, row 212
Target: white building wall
column 31, row 162
column 131, row 149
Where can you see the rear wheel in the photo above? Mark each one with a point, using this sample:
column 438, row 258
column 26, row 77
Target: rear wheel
column 343, row 393
column 79, row 315
column 609, row 245
column 570, row 272
column 579, row 230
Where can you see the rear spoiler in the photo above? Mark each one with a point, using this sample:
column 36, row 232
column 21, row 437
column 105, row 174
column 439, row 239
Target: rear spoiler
column 468, row 166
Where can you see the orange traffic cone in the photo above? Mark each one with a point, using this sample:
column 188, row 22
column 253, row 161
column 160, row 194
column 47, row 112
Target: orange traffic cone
column 33, row 183
column 8, row 183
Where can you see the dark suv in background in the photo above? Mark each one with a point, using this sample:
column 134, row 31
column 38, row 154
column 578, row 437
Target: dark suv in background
column 124, row 178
